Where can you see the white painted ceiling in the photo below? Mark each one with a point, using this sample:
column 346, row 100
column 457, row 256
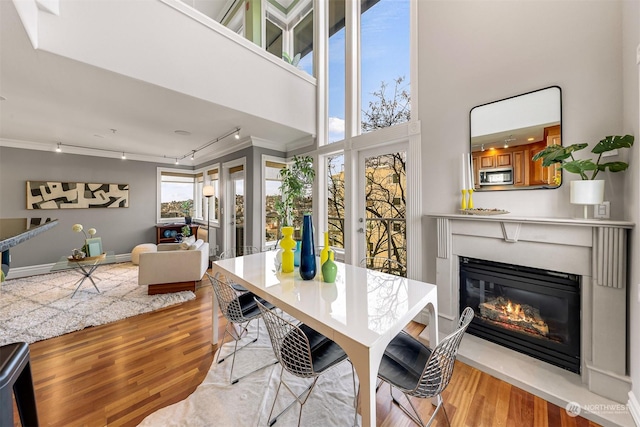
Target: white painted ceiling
column 51, row 99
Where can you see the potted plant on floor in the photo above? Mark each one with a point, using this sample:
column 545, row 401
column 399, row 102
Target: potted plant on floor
column 587, row 190
column 296, row 182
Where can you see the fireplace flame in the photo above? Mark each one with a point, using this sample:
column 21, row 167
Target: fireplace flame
column 511, row 313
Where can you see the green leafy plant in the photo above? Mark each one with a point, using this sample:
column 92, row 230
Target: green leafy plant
column 289, row 60
column 564, row 156
column 186, row 231
column 186, row 207
column 296, row 183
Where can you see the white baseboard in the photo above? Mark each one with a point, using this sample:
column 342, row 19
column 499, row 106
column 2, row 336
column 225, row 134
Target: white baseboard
column 634, row 408
column 33, row 270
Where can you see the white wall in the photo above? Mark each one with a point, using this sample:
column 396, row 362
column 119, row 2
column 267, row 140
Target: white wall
column 631, row 124
column 477, row 51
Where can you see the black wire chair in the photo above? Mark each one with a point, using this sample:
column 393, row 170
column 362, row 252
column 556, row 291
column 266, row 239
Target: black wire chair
column 417, row 371
column 240, row 309
column 241, row 251
column 302, row 352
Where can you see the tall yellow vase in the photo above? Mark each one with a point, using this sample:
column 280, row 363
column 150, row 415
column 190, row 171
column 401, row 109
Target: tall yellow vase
column 287, row 244
column 324, row 253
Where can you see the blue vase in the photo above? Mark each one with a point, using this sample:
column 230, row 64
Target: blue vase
column 296, row 253
column 307, row 251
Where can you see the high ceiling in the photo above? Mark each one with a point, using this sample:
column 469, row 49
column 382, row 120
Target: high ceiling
column 51, row 99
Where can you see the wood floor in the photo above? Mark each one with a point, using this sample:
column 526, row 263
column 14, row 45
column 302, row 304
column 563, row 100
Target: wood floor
column 119, row 373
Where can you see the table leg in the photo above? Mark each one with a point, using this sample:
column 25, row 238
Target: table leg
column 366, row 363
column 86, row 274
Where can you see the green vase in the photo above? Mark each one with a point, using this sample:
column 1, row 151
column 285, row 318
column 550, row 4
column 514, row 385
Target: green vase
column 329, row 269
column 287, row 244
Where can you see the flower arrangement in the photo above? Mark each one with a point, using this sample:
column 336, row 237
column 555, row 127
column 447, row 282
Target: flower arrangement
column 78, row 228
column 186, row 231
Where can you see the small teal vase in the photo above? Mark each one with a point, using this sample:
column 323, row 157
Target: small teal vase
column 308, row 266
column 296, row 253
column 329, row 269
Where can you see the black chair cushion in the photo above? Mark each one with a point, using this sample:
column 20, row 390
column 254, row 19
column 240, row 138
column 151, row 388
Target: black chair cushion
column 324, row 352
column 403, row 361
column 249, row 307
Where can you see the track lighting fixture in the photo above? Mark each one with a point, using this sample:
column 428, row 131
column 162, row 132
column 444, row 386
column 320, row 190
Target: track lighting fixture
column 191, row 154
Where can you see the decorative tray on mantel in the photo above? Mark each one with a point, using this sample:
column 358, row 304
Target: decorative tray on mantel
column 483, row 211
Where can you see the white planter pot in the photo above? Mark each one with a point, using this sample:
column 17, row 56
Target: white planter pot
column 587, row 192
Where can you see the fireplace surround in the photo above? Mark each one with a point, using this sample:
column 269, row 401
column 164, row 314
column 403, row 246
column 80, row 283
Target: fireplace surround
column 595, row 251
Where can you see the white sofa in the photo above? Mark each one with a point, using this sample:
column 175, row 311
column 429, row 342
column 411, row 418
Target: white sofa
column 173, row 269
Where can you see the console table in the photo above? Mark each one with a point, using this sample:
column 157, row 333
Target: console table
column 177, row 227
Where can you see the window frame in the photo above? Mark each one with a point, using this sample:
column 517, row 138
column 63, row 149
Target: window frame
column 159, row 173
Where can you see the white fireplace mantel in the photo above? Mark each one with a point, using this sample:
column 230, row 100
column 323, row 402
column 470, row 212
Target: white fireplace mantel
column 596, row 250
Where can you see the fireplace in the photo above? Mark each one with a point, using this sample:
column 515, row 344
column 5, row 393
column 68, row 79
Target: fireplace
column 530, row 310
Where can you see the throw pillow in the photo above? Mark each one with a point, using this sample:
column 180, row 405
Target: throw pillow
column 196, row 245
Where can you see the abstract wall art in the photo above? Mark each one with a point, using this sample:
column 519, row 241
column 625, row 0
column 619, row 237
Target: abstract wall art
column 76, row 195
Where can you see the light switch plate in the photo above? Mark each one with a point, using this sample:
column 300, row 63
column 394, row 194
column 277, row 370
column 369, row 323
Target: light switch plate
column 602, row 211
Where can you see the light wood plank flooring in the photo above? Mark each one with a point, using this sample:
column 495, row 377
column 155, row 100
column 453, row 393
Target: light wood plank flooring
column 119, row 373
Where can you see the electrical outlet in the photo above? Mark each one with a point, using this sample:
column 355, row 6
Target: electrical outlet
column 602, row 211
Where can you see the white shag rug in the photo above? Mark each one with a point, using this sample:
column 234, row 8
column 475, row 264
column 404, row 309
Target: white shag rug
column 247, row 403
column 39, row 307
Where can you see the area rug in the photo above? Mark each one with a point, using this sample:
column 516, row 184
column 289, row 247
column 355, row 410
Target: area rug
column 247, row 403
column 39, row 307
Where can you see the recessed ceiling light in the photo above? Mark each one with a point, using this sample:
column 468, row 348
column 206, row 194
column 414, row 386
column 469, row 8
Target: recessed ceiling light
column 531, row 139
column 182, row 132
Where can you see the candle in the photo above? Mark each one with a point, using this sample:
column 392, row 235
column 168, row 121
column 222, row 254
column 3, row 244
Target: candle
column 471, row 177
column 463, row 172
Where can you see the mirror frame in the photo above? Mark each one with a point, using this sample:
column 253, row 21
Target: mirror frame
column 544, row 120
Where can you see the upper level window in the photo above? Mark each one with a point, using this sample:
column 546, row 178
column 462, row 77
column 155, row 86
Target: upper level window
column 385, row 63
column 289, row 32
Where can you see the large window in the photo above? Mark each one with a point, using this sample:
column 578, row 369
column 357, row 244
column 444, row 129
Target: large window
column 336, row 77
column 335, row 200
column 385, row 63
column 272, row 195
column 176, row 190
column 213, row 179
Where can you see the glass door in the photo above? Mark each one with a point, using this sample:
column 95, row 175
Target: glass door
column 381, row 223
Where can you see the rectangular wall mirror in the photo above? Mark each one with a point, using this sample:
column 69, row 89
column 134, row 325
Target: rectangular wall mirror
column 506, row 134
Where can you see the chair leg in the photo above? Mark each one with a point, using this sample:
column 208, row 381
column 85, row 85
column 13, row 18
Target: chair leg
column 414, row 415
column 298, row 398
column 237, row 337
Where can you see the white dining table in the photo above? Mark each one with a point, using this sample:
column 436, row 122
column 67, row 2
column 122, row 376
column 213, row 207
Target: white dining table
column 362, row 311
